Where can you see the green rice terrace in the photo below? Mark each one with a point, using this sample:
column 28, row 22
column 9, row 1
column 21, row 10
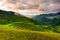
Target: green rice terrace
column 18, row 27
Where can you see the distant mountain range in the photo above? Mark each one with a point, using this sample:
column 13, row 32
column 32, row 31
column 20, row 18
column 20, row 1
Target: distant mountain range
column 48, row 19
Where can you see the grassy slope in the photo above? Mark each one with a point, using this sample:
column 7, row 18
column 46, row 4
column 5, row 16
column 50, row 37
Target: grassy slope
column 7, row 19
column 28, row 30
column 10, row 33
column 27, row 35
column 21, row 22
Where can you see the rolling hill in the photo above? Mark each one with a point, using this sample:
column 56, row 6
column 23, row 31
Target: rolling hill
column 51, row 19
column 18, row 27
column 21, row 22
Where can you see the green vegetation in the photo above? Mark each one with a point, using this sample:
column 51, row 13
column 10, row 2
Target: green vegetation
column 51, row 20
column 27, row 35
column 21, row 22
column 18, row 27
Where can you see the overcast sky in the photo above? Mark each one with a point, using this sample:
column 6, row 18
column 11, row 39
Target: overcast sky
column 42, row 5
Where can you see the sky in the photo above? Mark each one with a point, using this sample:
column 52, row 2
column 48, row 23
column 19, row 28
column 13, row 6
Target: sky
column 37, row 5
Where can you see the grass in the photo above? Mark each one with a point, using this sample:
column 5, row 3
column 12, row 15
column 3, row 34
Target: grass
column 27, row 35
column 30, row 26
column 11, row 33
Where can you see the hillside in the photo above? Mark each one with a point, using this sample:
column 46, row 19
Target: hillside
column 9, row 17
column 51, row 20
column 21, row 22
column 18, row 27
column 27, row 35
column 47, row 18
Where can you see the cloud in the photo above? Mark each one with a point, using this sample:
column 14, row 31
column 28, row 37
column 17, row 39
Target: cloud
column 54, row 7
column 48, row 5
column 55, row 1
column 25, row 4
